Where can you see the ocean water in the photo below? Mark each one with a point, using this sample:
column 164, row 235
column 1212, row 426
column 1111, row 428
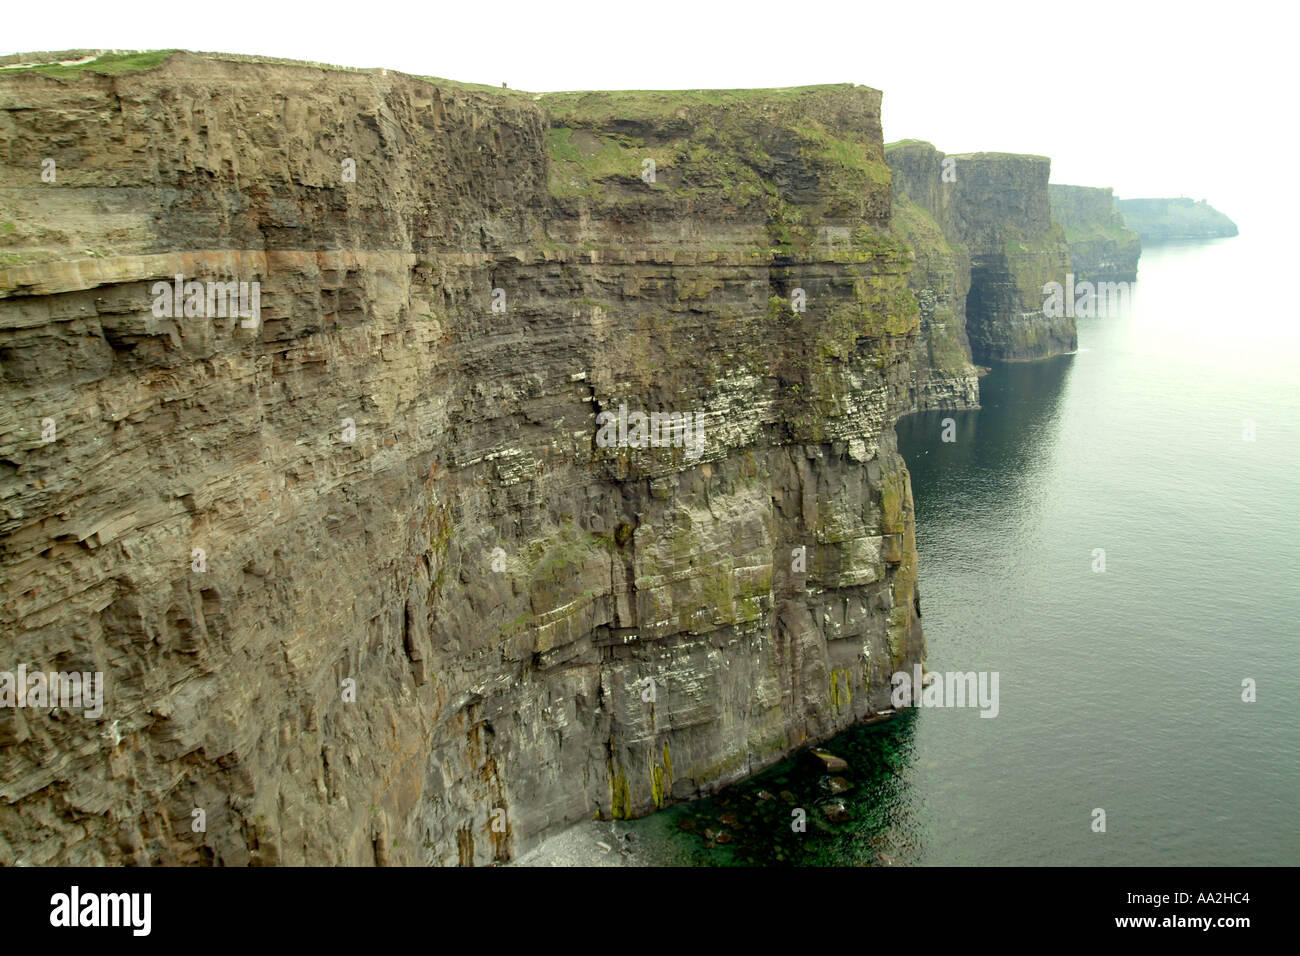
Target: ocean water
column 1119, row 690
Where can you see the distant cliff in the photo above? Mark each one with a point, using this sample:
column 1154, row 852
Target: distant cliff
column 1102, row 246
column 943, row 376
column 993, row 208
column 1160, row 219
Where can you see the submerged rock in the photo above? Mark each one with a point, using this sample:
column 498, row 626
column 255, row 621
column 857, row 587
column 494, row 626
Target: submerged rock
column 836, row 811
column 829, row 761
column 836, row 785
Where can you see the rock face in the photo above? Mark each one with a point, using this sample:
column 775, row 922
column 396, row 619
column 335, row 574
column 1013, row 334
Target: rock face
column 1003, row 214
column 943, row 375
column 1102, row 247
column 1159, row 220
column 996, row 206
column 365, row 583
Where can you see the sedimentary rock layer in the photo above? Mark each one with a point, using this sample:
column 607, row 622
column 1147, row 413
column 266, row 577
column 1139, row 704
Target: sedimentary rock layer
column 1102, row 247
column 364, row 586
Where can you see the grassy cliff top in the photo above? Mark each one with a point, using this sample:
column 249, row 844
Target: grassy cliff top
column 1000, row 157
column 1175, row 218
column 1184, row 202
column 829, row 115
column 1090, row 189
column 69, row 63
column 595, row 106
column 982, row 157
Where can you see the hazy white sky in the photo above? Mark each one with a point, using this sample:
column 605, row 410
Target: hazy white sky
column 1186, row 98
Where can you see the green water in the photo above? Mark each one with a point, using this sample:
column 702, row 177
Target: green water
column 1118, row 690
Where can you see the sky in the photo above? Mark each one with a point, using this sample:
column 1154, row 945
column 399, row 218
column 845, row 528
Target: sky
column 1169, row 99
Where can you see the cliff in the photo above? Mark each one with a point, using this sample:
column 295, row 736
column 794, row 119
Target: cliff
column 1102, row 247
column 996, row 207
column 367, row 576
column 1158, row 220
column 1002, row 212
column 943, row 375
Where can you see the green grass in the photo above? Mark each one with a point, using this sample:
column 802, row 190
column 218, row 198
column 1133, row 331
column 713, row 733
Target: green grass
column 849, row 154
column 559, row 143
column 918, row 229
column 579, row 165
column 9, row 259
column 116, row 64
column 613, row 156
column 594, row 107
column 712, row 138
column 110, row 64
column 1092, row 231
column 476, row 87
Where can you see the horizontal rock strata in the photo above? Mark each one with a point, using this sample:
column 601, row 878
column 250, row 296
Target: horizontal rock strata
column 364, row 585
column 995, row 205
column 943, row 375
